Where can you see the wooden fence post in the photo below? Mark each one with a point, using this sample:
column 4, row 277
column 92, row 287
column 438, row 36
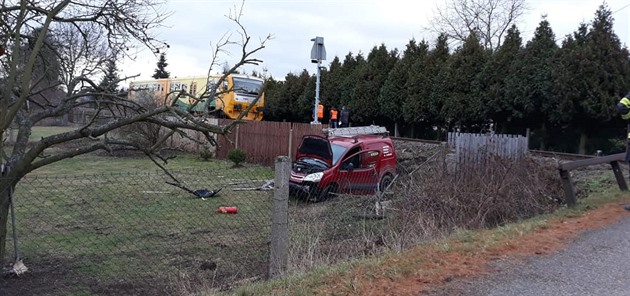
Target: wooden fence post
column 236, row 136
column 621, row 181
column 567, row 184
column 278, row 258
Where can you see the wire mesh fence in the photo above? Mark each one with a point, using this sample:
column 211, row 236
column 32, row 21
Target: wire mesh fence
column 136, row 234
column 366, row 221
column 425, row 201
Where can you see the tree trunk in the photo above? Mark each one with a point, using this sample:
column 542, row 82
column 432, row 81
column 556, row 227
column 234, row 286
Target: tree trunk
column 4, row 217
column 582, row 146
column 4, row 223
column 396, row 133
column 543, row 136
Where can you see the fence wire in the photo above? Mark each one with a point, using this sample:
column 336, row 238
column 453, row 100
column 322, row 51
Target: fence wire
column 428, row 199
column 135, row 234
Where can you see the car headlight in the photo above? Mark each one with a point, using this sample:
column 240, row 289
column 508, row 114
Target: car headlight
column 314, row 177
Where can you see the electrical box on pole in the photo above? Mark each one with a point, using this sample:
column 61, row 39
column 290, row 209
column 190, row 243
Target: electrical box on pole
column 318, row 52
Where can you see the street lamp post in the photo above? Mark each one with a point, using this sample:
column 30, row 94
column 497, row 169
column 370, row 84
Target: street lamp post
column 318, row 53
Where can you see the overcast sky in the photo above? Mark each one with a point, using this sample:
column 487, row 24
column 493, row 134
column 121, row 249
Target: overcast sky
column 346, row 25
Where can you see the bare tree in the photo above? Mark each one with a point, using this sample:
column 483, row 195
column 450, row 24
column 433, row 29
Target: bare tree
column 84, row 34
column 490, row 19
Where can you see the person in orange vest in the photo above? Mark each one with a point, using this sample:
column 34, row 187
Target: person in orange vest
column 320, row 111
column 333, row 117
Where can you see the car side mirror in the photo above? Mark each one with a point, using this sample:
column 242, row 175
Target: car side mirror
column 348, row 166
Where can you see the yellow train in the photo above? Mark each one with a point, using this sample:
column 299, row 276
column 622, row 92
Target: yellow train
column 236, row 93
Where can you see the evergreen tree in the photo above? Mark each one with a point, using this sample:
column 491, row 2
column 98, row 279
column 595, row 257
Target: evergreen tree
column 364, row 107
column 299, row 97
column 47, row 69
column 274, row 107
column 161, row 72
column 290, row 100
column 330, row 88
column 438, row 71
column 417, row 86
column 464, row 105
column 350, row 69
column 536, row 81
column 109, row 82
column 603, row 73
column 47, row 66
column 571, row 86
column 501, row 81
column 394, row 91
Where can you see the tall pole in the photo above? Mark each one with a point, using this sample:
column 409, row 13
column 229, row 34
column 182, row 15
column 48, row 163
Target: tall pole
column 316, row 119
column 318, row 53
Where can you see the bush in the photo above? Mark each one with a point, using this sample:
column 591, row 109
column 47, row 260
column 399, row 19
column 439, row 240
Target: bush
column 237, row 156
column 206, row 152
column 144, row 133
column 477, row 196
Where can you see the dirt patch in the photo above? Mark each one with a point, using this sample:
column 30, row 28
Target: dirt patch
column 58, row 276
column 426, row 270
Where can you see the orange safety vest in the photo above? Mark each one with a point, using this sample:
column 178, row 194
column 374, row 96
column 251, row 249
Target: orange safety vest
column 320, row 111
column 333, row 114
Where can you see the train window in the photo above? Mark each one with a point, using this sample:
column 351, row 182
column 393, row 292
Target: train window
column 247, row 86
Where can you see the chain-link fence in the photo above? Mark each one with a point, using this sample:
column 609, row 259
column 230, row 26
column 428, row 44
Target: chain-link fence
column 363, row 217
column 136, row 234
column 426, row 200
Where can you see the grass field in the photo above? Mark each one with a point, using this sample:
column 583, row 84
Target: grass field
column 105, row 225
column 99, row 225
column 39, row 132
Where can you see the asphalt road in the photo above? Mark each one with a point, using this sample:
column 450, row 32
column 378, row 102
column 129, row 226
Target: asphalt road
column 596, row 263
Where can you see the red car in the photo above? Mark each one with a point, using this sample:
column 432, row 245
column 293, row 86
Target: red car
column 345, row 162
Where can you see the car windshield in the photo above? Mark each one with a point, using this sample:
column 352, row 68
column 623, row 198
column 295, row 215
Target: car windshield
column 337, row 151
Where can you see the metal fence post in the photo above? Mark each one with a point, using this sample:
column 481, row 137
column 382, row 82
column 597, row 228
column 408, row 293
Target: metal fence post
column 289, row 153
column 278, row 259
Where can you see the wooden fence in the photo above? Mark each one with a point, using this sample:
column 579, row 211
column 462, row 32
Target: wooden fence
column 263, row 141
column 476, row 148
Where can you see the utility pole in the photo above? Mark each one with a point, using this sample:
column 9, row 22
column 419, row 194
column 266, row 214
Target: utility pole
column 318, row 53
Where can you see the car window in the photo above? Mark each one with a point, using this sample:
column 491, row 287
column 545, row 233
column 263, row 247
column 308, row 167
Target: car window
column 352, row 157
column 337, row 151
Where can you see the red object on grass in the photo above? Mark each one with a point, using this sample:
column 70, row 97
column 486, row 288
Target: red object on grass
column 227, row 210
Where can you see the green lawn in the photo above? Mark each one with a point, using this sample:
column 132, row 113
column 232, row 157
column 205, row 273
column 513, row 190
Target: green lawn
column 39, row 132
column 114, row 225
column 103, row 225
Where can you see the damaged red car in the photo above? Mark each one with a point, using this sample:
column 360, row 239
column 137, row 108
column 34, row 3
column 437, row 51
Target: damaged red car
column 354, row 160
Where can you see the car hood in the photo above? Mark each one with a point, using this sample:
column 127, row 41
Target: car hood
column 315, row 147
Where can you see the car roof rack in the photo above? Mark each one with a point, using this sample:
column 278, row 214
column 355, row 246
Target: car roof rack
column 355, row 131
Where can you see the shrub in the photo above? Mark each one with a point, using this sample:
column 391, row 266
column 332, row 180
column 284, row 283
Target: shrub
column 237, row 156
column 144, row 133
column 206, row 152
column 476, row 196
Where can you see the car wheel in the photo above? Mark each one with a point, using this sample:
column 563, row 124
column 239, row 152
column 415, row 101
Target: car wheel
column 385, row 181
column 325, row 194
